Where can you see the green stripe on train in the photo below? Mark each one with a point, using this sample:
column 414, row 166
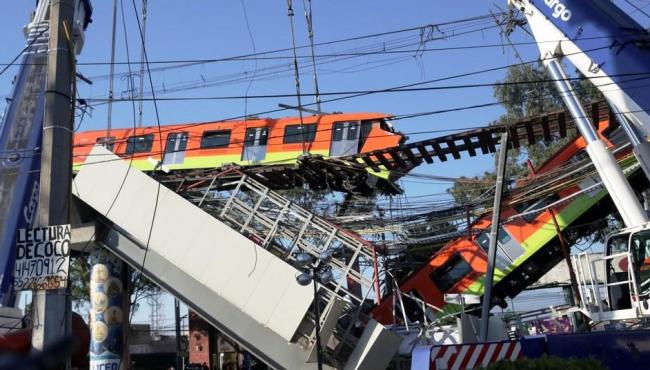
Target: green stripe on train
column 198, row 162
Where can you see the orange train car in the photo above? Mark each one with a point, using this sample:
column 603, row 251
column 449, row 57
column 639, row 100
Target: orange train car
column 251, row 142
column 528, row 245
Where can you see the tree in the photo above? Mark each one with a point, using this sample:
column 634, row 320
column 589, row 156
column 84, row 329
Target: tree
column 526, row 91
column 79, row 281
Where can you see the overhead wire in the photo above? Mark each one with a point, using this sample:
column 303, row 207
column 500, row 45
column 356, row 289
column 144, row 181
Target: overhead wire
column 639, row 76
column 310, row 31
column 324, row 43
column 273, row 70
column 296, row 72
column 29, row 45
column 252, row 79
column 140, row 268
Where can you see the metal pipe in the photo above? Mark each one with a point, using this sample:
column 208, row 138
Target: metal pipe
column 571, row 100
column 613, row 178
column 376, row 273
column 492, row 251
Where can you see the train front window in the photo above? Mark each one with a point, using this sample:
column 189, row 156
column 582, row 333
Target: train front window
column 503, row 236
column 503, row 261
column 450, row 273
column 386, row 125
column 509, row 245
column 215, row 139
column 139, row 144
column 298, row 133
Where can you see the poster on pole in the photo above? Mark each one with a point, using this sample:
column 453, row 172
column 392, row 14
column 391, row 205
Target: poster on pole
column 42, row 258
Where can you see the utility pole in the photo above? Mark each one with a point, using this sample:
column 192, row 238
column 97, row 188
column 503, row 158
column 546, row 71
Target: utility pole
column 177, row 314
column 51, row 323
column 494, row 233
column 142, row 61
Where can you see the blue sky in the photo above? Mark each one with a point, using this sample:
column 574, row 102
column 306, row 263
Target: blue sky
column 202, row 29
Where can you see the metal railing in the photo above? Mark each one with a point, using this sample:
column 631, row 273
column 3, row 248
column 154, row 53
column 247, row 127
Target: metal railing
column 590, row 285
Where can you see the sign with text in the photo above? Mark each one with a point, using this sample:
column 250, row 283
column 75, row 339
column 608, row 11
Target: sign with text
column 42, row 258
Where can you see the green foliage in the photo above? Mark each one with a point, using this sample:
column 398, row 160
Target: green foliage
column 79, row 282
column 549, row 363
column 527, row 91
column 466, row 190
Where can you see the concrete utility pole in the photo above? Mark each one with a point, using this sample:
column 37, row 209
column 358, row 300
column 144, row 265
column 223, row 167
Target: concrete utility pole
column 51, row 322
column 494, row 234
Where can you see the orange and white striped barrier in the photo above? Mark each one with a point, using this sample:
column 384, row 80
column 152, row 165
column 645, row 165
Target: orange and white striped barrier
column 465, row 356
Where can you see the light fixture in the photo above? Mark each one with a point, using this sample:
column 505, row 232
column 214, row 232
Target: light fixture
column 326, row 276
column 304, row 278
column 303, row 260
column 325, row 257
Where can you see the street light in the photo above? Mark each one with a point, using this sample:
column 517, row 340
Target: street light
column 311, row 272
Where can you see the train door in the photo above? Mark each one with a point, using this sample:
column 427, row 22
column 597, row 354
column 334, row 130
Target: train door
column 255, row 144
column 345, row 139
column 175, row 148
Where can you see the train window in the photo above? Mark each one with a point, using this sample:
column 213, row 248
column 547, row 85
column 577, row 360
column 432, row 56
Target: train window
column 450, row 273
column 294, row 133
column 139, row 144
column 413, row 306
column 250, row 137
column 502, row 261
column 366, row 127
column 353, row 132
column 108, row 142
column 503, row 236
column 338, row 132
column 537, row 206
column 509, row 245
column 215, row 139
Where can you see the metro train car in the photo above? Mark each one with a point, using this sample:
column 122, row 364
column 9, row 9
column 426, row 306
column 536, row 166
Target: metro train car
column 528, row 246
column 252, row 142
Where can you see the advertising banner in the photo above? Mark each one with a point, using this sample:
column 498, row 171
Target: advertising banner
column 42, row 258
column 21, row 131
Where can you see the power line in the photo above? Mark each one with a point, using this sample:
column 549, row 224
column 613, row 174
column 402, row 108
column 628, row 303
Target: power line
column 31, row 42
column 157, row 115
column 377, row 91
column 324, row 43
column 638, row 9
column 253, row 57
